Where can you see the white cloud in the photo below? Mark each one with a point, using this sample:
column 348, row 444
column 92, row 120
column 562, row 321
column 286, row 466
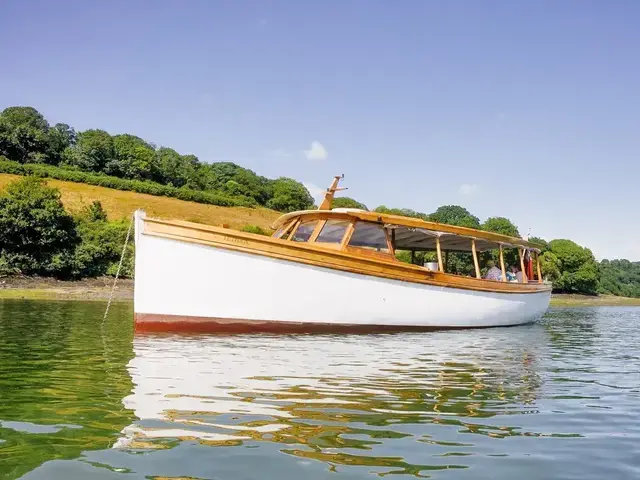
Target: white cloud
column 468, row 190
column 316, row 192
column 316, row 152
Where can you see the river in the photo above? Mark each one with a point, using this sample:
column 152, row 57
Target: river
column 81, row 399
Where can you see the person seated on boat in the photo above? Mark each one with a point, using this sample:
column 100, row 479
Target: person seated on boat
column 517, row 274
column 493, row 272
column 511, row 273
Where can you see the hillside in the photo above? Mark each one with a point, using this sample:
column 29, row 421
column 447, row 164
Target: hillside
column 119, row 204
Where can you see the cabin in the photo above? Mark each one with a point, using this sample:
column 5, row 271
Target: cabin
column 376, row 235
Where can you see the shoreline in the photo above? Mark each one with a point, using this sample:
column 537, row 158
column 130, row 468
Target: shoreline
column 99, row 289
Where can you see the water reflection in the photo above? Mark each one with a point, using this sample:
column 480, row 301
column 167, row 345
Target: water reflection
column 559, row 399
column 342, row 400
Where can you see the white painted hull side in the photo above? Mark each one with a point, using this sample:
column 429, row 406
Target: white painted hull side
column 175, row 278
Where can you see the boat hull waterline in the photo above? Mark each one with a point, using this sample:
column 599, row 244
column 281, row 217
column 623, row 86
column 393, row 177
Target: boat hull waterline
column 183, row 285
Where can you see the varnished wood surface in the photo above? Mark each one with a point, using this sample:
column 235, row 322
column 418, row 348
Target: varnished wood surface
column 410, row 222
column 157, row 323
column 383, row 266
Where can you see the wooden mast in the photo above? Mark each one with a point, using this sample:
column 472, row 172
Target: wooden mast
column 328, row 196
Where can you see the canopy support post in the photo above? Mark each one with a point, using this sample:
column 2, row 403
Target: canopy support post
column 475, row 257
column 538, row 267
column 504, row 272
column 521, row 254
column 413, row 256
column 439, row 250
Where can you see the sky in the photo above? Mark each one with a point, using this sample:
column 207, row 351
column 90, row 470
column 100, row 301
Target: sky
column 528, row 110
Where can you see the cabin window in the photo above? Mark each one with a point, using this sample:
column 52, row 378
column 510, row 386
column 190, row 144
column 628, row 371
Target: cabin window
column 369, row 235
column 304, row 231
column 333, row 231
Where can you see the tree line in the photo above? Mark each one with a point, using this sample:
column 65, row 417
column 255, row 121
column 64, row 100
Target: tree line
column 128, row 162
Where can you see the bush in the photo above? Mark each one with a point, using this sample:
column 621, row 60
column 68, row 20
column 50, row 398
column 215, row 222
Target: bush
column 37, row 236
column 139, row 186
column 254, row 229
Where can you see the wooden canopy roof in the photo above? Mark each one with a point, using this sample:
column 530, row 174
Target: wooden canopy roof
column 416, row 234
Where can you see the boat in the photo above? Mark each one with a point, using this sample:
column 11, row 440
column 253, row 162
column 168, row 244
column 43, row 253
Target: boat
column 327, row 270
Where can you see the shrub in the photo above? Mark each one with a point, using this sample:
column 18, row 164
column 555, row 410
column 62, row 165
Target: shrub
column 139, row 186
column 254, row 229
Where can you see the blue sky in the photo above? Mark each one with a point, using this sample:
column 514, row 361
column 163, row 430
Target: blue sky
column 529, row 110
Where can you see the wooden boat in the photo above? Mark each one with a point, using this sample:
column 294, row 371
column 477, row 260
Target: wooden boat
column 325, row 270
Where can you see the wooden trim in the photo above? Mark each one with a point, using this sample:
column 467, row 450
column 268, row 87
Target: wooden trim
column 376, row 217
column 294, row 229
column 538, row 268
column 475, row 257
column 389, row 243
column 524, row 274
column 347, row 234
column 504, row 272
column 316, row 231
column 384, row 266
column 287, row 229
column 439, row 250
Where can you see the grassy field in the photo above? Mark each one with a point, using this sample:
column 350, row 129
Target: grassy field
column 588, row 301
column 120, row 204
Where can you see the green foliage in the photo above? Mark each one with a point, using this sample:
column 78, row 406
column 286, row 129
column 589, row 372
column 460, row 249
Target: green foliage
column 289, row 196
column 501, row 225
column 550, row 265
column 151, row 188
column 133, row 158
column 544, row 245
column 620, row 277
column 254, row 229
column 347, row 202
column 37, row 236
column 25, row 137
column 100, row 248
column 94, row 149
column 455, row 215
column 24, row 134
column 579, row 270
column 404, row 212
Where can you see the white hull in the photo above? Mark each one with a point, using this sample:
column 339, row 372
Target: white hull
column 183, row 280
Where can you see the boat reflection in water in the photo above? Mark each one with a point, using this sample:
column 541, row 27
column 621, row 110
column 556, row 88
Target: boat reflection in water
column 384, row 401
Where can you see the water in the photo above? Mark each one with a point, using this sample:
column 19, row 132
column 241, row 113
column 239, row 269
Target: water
column 560, row 399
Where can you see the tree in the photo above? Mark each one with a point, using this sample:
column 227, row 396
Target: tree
column 133, row 158
column 501, row 225
column 347, row 202
column 36, row 233
column 544, row 245
column 578, row 268
column 100, row 248
column 404, row 212
column 550, row 266
column 24, row 134
column 289, row 196
column 92, row 151
column 455, row 215
column 61, row 137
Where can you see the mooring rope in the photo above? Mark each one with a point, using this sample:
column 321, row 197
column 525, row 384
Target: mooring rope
column 115, row 280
